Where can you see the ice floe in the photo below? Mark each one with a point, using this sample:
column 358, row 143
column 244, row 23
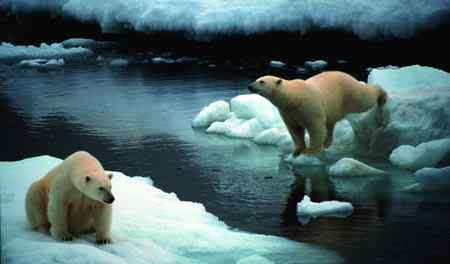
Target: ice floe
column 307, row 209
column 416, row 110
column 348, row 167
column 12, row 53
column 149, row 226
column 42, row 64
column 316, row 65
column 427, row 154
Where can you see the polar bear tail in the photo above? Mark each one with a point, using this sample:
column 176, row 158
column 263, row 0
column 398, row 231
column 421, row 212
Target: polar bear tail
column 382, row 96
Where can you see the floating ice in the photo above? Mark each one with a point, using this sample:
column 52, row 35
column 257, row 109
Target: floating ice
column 306, row 209
column 238, row 128
column 427, row 154
column 271, row 136
column 303, row 160
column 316, row 65
column 277, row 64
column 248, row 106
column 42, row 63
column 86, row 43
column 10, row 52
column 149, row 226
column 433, row 179
column 351, row 167
column 217, row 111
column 119, row 62
column 416, row 110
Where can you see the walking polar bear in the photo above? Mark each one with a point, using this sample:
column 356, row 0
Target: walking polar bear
column 73, row 198
column 316, row 104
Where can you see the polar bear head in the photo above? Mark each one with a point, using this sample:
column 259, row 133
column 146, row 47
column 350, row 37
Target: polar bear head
column 88, row 176
column 266, row 85
column 98, row 187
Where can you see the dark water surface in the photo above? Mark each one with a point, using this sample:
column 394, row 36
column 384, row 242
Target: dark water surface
column 137, row 120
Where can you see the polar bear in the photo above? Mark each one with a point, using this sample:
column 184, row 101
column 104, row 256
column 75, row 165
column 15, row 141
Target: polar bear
column 316, row 104
column 73, row 198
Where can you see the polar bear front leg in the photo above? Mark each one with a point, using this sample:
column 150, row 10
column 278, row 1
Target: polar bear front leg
column 297, row 134
column 318, row 134
column 58, row 212
column 102, row 224
column 329, row 139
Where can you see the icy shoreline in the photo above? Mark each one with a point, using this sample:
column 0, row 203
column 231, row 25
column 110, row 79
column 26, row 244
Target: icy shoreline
column 149, row 226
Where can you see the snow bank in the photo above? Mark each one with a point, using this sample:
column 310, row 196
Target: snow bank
column 306, row 209
column 10, row 52
column 316, row 65
column 149, row 226
column 42, row 63
column 217, row 111
column 417, row 110
column 351, row 167
column 386, row 18
column 427, row 154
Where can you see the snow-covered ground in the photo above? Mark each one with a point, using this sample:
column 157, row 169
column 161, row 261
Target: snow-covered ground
column 385, row 18
column 12, row 53
column 149, row 226
column 417, row 110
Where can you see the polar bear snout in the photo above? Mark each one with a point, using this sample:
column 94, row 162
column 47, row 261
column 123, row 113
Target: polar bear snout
column 108, row 197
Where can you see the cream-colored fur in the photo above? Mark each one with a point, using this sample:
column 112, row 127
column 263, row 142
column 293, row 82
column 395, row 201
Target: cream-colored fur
column 73, row 198
column 316, row 104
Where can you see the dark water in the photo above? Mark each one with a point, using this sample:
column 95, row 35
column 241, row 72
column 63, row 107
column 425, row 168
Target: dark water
column 137, row 120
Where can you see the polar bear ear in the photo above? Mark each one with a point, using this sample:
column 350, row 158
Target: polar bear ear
column 88, row 179
column 109, row 175
column 279, row 81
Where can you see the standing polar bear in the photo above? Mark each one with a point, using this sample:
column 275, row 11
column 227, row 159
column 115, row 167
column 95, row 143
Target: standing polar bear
column 73, row 198
column 316, row 104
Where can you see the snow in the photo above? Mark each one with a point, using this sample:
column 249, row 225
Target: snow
column 86, row 43
column 119, row 62
column 10, row 52
column 277, row 64
column 416, row 110
column 427, row 154
column 347, row 167
column 216, row 111
column 385, row 19
column 433, row 179
column 254, row 259
column 248, row 106
column 306, row 209
column 316, row 65
column 42, row 63
column 149, row 226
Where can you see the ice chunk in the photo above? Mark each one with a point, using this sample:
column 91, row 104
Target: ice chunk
column 351, row 167
column 271, row 136
column 433, row 179
column 254, row 259
column 10, row 52
column 248, row 106
column 427, row 154
column 238, row 128
column 119, row 62
column 277, row 64
column 303, row 160
column 86, row 43
column 216, row 111
column 149, row 226
column 316, row 65
column 42, row 63
column 416, row 110
column 306, row 209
